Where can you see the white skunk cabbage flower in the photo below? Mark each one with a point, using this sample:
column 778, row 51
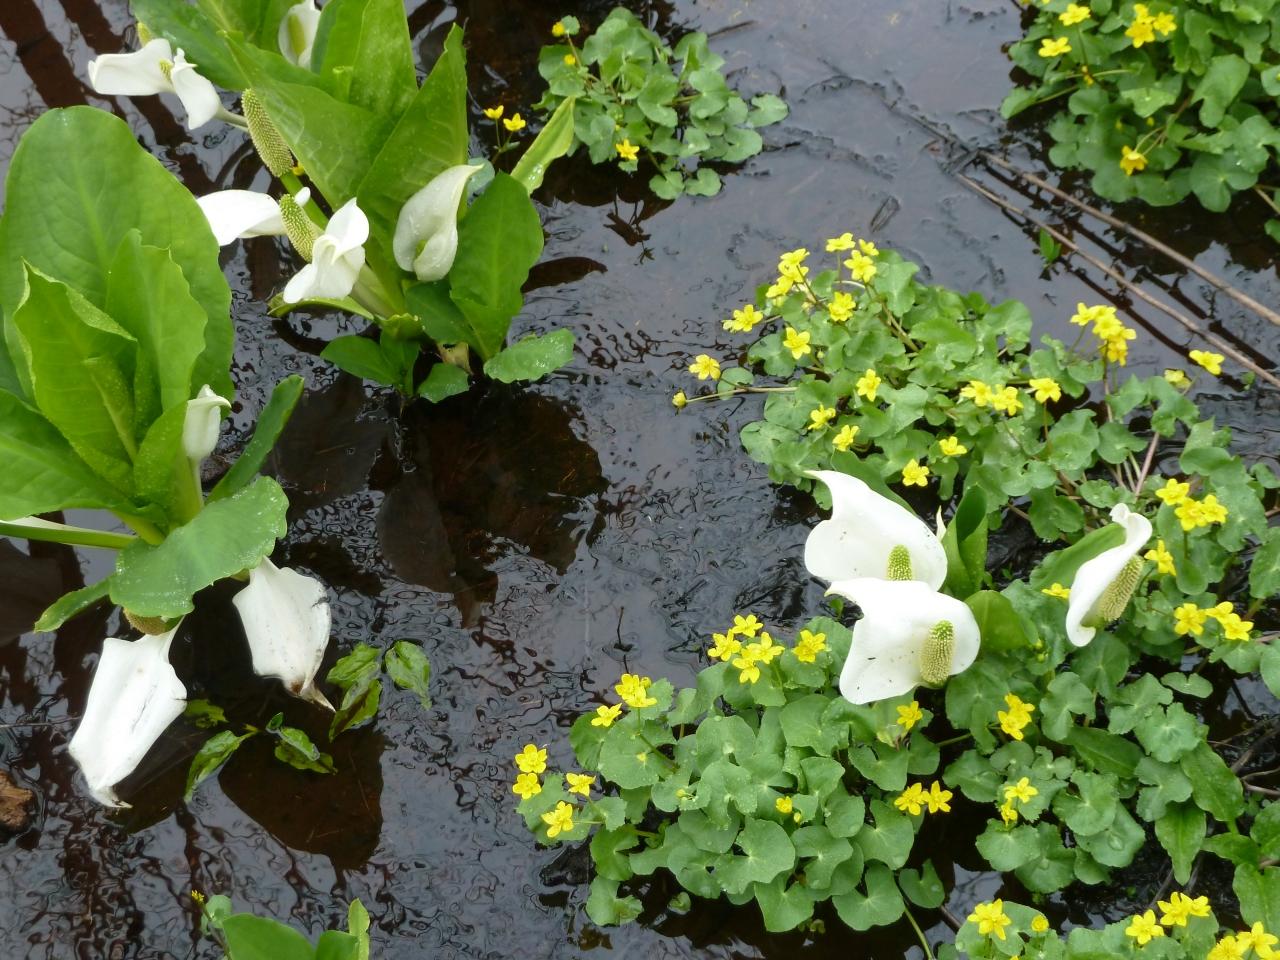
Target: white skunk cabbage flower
column 157, row 69
column 286, row 620
column 240, row 214
column 133, row 698
column 426, row 238
column 871, row 536
column 1103, row 585
column 909, row 634
column 337, row 257
column 201, row 426
column 297, row 33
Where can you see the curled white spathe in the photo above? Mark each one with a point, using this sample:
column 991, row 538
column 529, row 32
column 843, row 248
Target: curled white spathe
column 889, row 641
column 286, row 621
column 1094, row 576
column 337, row 257
column 426, row 238
column 157, row 69
column 240, row 214
column 201, row 425
column 297, row 34
column 863, row 529
column 134, row 696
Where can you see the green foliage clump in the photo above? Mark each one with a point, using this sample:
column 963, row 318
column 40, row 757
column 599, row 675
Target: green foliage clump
column 245, row 936
column 636, row 97
column 1162, row 100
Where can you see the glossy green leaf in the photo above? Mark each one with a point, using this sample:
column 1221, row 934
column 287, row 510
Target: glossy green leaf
column 552, row 142
column 443, row 381
column 362, row 48
column 531, row 357
column 258, row 938
column 409, row 669
column 215, row 751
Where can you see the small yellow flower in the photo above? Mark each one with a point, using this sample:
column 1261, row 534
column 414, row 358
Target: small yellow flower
column 570, row 60
column 1141, row 30
column 1260, row 940
column 493, row 113
column 1177, row 378
column 748, row 670
column 784, row 805
column 1173, row 492
column 1228, row 948
column 1006, row 400
column 748, row 626
column 1132, row 161
column 197, row 896
column 843, row 242
column 1074, row 14
column 765, row 650
column 1162, row 558
column 557, row 29
column 978, row 392
column 868, row 384
column 938, row 799
column 841, row 307
column 526, row 786
column 1209, row 360
column 861, row 266
column 679, row 400
column 531, row 759
column 1115, row 349
column 844, row 439
column 819, row 418
column 796, row 342
column 868, row 248
column 1189, row 619
column 1234, row 627
column 1046, row 389
column 1212, row 510
column 915, row 475
column 744, row 320
column 580, row 783
column 633, row 690
column 605, row 715
column 1179, row 907
column 1022, row 791
column 559, row 820
column 912, row 800
column 990, row 918
column 1008, row 813
column 809, row 646
column 705, row 367
column 514, row 122
column 1057, row 590
column 624, row 148
column 792, row 259
column 952, row 447
column 1144, row 928
column 910, row 715
column 1055, row 47
column 1016, row 717
column 1039, row 923
column 725, row 645
column 1164, row 23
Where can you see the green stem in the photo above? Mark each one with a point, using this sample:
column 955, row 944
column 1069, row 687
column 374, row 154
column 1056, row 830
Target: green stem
column 31, row 528
column 145, row 529
column 924, row 942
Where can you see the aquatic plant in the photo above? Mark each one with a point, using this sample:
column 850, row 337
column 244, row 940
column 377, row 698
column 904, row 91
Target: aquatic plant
column 636, row 100
column 246, row 936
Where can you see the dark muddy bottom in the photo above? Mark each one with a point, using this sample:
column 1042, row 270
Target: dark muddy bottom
column 540, row 541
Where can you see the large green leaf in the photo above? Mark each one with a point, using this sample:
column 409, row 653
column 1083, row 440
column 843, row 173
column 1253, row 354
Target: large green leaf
column 531, row 357
column 259, row 938
column 499, row 239
column 225, row 538
column 78, row 183
column 363, row 50
column 190, row 29
column 257, row 20
column 41, row 472
column 552, row 142
column 271, row 423
column 81, row 368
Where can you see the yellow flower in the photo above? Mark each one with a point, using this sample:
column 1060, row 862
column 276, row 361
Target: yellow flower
column 1235, row 628
column 1177, row 378
column 1132, row 160
column 1006, row 400
column 557, row 29
column 868, row 248
column 978, row 392
column 1087, row 315
column 569, row 61
column 1192, row 513
column 780, row 288
column 531, row 759
column 1022, row 791
column 748, row 671
column 679, row 400
column 1228, row 948
column 1141, row 30
column 938, row 799
column 559, row 820
column 844, row 439
column 809, row 646
column 1162, row 558
column 861, row 266
column 1008, row 813
column 1179, row 907
column 1209, row 360
column 765, row 650
column 744, row 320
column 910, row 715
column 840, row 308
column 493, row 113
column 1173, row 492
column 1046, row 388
column 726, row 645
column 990, row 918
column 1115, row 349
column 526, row 786
column 606, row 715
column 952, row 447
column 842, row 242
column 1074, row 14
column 580, row 783
column 1057, row 590
column 514, row 122
column 792, row 259
column 1054, row 48
column 868, row 384
column 912, row 799
column 819, row 418
column 1016, row 717
column 625, row 148
column 784, row 805
column 705, row 367
column 796, row 342
column 633, row 690
column 197, row 896
column 748, row 626
column 1144, row 928
column 1164, row 23
column 1189, row 619
column 915, row 475
column 1212, row 510
column 1258, row 938
column 1039, row 923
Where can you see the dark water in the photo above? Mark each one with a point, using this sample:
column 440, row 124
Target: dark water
column 539, row 541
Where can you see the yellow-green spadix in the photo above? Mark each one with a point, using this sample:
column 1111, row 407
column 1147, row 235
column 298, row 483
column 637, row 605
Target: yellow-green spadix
column 1104, row 584
column 426, row 237
column 871, row 536
column 909, row 635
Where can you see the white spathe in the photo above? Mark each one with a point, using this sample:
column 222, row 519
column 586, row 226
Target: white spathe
column 1094, row 576
column 134, row 696
column 286, row 620
column 201, row 426
column 157, row 69
column 297, row 34
column 336, row 258
column 863, row 530
column 426, row 238
column 240, row 214
column 890, row 639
